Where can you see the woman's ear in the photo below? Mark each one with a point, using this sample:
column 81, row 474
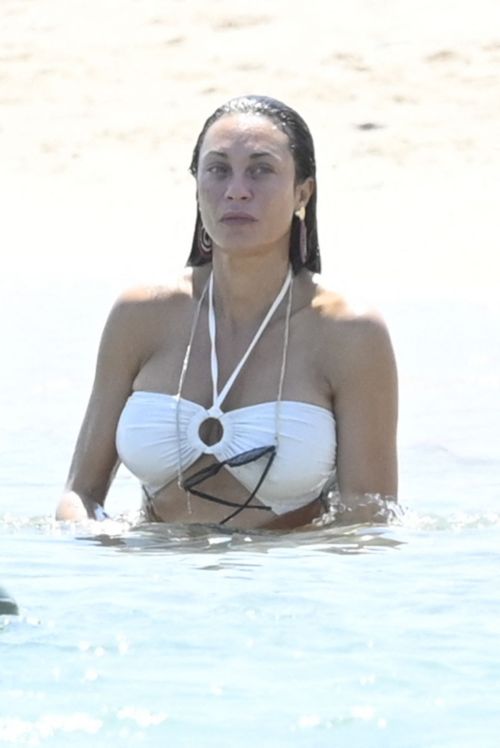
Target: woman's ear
column 303, row 193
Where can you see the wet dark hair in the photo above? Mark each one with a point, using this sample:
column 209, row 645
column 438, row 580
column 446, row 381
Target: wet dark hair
column 302, row 149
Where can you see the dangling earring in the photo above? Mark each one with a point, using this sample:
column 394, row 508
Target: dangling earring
column 301, row 215
column 204, row 242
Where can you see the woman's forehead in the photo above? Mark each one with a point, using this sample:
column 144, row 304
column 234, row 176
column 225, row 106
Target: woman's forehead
column 255, row 132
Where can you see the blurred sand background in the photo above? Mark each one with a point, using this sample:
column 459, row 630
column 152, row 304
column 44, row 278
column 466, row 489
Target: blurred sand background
column 101, row 102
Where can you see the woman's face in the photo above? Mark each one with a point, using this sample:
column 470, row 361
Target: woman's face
column 246, row 185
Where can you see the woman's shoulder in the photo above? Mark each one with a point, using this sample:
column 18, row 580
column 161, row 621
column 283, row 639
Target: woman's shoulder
column 140, row 308
column 350, row 322
column 342, row 310
column 174, row 290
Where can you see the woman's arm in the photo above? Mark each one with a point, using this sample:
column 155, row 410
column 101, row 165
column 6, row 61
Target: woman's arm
column 95, row 460
column 366, row 409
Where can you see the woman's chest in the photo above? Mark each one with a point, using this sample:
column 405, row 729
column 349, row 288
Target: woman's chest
column 279, row 366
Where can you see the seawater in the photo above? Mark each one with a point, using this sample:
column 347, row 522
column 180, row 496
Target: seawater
column 354, row 636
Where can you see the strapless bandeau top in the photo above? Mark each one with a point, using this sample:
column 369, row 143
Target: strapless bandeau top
column 146, row 440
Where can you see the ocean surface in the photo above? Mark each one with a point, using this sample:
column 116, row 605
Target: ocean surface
column 358, row 637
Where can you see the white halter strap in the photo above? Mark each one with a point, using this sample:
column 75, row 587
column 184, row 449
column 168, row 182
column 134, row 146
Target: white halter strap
column 218, row 398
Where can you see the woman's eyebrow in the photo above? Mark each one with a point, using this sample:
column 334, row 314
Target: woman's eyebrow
column 219, row 154
column 257, row 154
column 263, row 154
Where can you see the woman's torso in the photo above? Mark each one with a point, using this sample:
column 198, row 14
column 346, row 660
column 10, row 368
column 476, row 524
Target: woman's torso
column 151, row 418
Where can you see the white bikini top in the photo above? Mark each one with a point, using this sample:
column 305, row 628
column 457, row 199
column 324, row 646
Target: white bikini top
column 158, row 438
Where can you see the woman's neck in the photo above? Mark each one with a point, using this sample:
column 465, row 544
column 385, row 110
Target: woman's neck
column 245, row 287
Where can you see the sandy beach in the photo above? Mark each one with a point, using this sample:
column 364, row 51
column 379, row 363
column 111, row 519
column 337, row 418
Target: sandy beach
column 101, row 102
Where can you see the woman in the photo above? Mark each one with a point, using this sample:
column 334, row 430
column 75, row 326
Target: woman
column 244, row 392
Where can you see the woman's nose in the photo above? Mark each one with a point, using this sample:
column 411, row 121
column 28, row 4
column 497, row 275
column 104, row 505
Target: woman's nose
column 238, row 188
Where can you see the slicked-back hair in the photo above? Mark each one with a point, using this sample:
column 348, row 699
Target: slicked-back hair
column 302, row 149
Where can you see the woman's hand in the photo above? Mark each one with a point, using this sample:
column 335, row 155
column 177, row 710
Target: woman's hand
column 74, row 508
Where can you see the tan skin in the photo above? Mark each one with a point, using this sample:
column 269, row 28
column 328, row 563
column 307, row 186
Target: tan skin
column 337, row 359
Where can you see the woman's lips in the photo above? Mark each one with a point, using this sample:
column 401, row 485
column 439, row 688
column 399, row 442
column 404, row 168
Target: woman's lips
column 237, row 218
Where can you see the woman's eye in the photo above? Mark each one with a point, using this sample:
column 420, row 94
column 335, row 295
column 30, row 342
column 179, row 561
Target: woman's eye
column 217, row 169
column 260, row 169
